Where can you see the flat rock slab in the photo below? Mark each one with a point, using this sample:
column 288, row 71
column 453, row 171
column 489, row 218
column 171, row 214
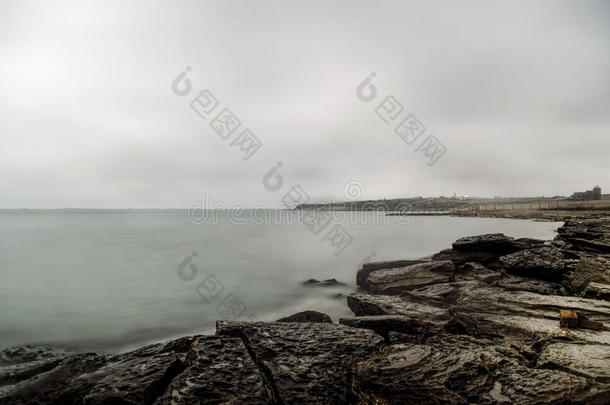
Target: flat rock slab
column 395, row 281
column 305, row 363
column 219, row 370
column 587, row 359
column 459, row 370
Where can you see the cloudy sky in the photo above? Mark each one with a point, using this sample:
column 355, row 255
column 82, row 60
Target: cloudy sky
column 517, row 91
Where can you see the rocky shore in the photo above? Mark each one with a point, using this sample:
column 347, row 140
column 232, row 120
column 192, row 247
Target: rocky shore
column 476, row 323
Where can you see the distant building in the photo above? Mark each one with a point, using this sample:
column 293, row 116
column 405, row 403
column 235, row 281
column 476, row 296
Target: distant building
column 595, row 194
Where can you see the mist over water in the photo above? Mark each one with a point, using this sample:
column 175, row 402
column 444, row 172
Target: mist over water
column 109, row 280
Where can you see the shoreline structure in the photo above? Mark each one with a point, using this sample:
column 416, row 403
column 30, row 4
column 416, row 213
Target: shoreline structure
column 475, row 323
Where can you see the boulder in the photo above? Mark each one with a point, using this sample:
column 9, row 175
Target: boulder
column 395, row 281
column 384, row 324
column 307, row 316
column 545, row 263
column 460, row 258
column 305, row 363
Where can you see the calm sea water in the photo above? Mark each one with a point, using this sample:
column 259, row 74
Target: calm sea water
column 113, row 280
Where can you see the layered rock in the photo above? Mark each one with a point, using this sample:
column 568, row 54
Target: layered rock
column 397, row 280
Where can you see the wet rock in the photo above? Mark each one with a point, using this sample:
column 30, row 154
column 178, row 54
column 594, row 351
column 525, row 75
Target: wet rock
column 546, row 263
column 368, row 268
column 307, row 316
column 516, row 283
column 20, row 363
column 476, row 271
column 403, row 324
column 312, row 282
column 137, row 377
column 460, row 370
column 59, row 385
column 491, row 242
column 219, row 370
column 598, row 291
column 583, row 359
column 395, row 281
column 305, row 363
column 460, row 258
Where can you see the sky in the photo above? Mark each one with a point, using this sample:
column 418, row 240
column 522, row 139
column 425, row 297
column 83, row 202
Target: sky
column 516, row 94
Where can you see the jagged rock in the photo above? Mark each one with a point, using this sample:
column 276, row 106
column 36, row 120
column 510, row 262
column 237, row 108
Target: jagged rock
column 305, row 363
column 307, row 316
column 395, row 281
column 312, row 282
column 546, row 263
column 368, row 268
column 584, row 359
column 219, row 370
column 516, row 283
column 460, row 370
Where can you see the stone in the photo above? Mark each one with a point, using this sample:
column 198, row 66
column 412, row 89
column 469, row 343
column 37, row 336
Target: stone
column 218, row 370
column 546, row 263
column 517, row 283
column 395, row 281
column 307, row 316
column 460, row 258
column 305, row 363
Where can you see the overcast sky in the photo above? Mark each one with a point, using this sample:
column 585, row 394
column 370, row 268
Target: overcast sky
column 517, row 91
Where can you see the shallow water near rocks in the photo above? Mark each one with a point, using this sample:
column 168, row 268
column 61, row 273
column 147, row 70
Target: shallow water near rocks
column 114, row 280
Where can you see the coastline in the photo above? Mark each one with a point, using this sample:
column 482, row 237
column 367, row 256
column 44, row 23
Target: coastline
column 479, row 320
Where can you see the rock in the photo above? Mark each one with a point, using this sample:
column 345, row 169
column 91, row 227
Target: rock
column 368, row 268
column 395, row 281
column 545, row 263
column 582, row 359
column 518, row 317
column 312, row 282
column 516, row 283
column 219, row 370
column 476, row 271
column 384, row 324
column 307, row 316
column 59, row 385
column 305, row 363
column 460, row 258
column 492, row 242
column 136, row 377
column 591, row 277
column 460, row 370
column 20, row 363
column 600, row 291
